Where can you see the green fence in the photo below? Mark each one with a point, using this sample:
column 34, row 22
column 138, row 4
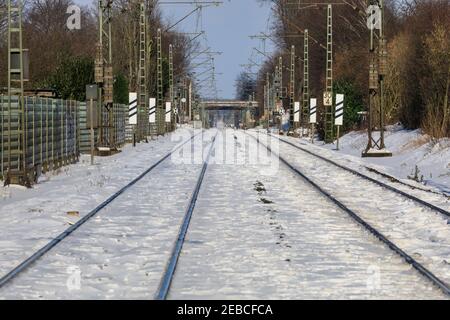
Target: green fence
column 46, row 134
column 40, row 136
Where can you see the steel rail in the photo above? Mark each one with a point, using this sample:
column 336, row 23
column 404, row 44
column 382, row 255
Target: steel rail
column 416, row 265
column 50, row 245
column 169, row 272
column 382, row 184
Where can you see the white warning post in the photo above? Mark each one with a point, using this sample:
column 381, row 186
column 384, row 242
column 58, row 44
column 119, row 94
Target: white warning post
column 132, row 108
column 152, row 110
column 339, row 115
column 168, row 112
column 313, row 111
column 296, row 111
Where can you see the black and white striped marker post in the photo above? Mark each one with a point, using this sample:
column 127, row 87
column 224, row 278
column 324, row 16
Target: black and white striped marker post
column 132, row 108
column 132, row 113
column 168, row 112
column 339, row 115
column 152, row 111
column 312, row 116
column 296, row 112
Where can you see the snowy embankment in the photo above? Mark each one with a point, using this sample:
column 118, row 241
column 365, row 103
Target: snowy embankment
column 29, row 218
column 416, row 158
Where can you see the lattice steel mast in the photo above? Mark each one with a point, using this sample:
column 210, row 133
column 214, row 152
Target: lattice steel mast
column 14, row 126
column 305, row 94
column 104, row 76
column 171, row 88
column 377, row 71
column 292, row 89
column 329, row 112
column 142, row 121
column 280, row 76
column 160, row 110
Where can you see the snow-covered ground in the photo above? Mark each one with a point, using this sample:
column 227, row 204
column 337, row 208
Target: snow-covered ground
column 422, row 233
column 30, row 217
column 259, row 236
column 258, row 231
column 122, row 251
column 410, row 148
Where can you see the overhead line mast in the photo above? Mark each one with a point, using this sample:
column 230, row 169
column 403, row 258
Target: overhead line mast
column 171, row 88
column 142, row 121
column 13, row 125
column 305, row 94
column 104, row 78
column 377, row 71
column 160, row 111
column 292, row 90
column 328, row 95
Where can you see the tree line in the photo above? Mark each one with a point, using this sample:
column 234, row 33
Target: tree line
column 63, row 59
column 418, row 41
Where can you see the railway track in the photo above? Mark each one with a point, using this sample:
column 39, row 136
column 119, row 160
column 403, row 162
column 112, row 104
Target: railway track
column 170, row 269
column 25, row 264
column 372, row 180
column 356, row 217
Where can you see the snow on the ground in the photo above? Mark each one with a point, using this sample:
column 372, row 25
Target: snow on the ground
column 410, row 148
column 121, row 252
column 259, row 236
column 257, row 231
column 29, row 218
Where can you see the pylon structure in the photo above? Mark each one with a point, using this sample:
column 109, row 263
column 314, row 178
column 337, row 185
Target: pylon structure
column 171, row 88
column 328, row 109
column 267, row 99
column 305, row 94
column 13, row 135
column 104, row 78
column 280, row 76
column 377, row 71
column 142, row 121
column 292, row 89
column 160, row 110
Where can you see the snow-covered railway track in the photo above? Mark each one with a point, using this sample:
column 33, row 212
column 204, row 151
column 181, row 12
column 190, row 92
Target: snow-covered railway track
column 169, row 271
column 34, row 257
column 432, row 277
column 375, row 181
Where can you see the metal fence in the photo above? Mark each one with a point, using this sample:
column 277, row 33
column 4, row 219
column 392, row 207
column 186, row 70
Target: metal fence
column 39, row 137
column 46, row 134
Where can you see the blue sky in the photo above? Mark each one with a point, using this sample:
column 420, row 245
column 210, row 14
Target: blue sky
column 228, row 28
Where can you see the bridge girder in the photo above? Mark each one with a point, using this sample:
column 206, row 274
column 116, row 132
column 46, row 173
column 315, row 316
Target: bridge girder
column 229, row 105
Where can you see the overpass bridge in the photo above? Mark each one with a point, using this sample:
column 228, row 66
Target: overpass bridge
column 229, row 105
